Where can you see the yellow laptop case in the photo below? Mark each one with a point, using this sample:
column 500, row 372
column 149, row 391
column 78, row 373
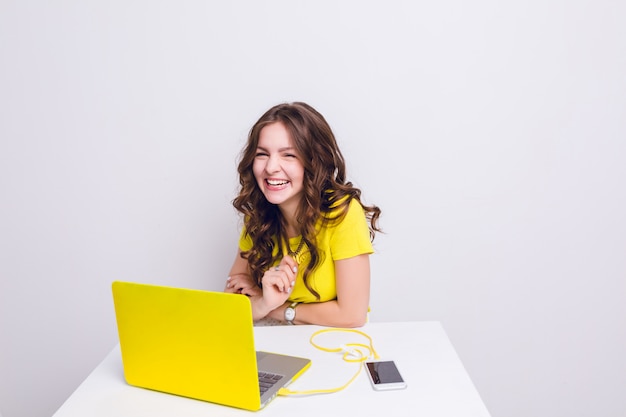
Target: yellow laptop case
column 191, row 343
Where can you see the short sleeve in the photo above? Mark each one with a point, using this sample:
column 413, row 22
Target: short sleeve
column 351, row 237
column 245, row 241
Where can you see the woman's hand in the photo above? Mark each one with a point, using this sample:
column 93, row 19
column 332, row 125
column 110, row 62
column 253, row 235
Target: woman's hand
column 242, row 284
column 278, row 282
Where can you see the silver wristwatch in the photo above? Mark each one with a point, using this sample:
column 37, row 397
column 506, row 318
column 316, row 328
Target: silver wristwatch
column 290, row 313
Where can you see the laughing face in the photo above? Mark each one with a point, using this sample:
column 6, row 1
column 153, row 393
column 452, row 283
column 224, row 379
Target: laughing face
column 277, row 168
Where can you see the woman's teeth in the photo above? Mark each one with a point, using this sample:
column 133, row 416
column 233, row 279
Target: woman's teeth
column 277, row 182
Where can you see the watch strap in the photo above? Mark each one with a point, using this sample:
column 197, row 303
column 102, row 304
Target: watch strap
column 292, row 308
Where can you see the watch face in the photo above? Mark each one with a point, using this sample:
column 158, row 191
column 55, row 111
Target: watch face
column 290, row 313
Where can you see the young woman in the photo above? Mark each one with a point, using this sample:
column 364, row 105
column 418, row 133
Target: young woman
column 304, row 249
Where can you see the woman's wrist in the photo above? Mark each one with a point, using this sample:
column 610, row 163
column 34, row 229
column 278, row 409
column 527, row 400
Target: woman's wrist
column 260, row 309
column 279, row 312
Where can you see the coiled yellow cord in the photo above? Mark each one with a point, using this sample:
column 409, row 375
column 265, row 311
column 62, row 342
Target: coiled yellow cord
column 352, row 352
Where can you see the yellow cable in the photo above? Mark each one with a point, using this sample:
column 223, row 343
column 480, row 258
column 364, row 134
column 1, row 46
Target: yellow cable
column 351, row 353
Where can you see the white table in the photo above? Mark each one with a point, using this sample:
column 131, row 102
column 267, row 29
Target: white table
column 438, row 384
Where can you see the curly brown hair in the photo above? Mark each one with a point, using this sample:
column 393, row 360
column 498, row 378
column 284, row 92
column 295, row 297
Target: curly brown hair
column 326, row 193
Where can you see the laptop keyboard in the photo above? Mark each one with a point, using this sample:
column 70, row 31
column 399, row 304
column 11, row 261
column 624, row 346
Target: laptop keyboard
column 267, row 380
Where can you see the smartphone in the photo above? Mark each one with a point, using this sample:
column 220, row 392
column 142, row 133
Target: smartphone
column 384, row 375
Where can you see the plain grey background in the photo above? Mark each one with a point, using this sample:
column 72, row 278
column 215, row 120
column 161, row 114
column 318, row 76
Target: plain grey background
column 492, row 135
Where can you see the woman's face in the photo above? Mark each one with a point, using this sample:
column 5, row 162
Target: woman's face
column 278, row 169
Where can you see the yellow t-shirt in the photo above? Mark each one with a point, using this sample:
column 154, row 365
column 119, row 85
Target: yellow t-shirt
column 335, row 241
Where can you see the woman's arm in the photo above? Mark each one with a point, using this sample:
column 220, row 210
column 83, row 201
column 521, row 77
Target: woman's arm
column 277, row 283
column 240, row 280
column 350, row 307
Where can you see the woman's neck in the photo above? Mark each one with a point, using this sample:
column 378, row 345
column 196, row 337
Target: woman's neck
column 291, row 225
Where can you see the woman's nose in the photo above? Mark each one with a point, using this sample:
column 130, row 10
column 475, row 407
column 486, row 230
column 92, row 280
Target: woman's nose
column 272, row 165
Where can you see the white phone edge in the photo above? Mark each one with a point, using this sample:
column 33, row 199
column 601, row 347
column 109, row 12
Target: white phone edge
column 386, row 386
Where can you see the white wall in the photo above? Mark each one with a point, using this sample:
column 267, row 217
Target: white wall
column 492, row 134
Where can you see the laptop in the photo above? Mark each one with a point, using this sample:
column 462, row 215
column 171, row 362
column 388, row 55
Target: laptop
column 197, row 344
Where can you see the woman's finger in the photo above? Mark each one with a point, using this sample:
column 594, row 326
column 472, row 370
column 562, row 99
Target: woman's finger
column 290, row 264
column 278, row 279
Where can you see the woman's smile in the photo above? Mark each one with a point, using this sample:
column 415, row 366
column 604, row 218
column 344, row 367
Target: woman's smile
column 276, row 183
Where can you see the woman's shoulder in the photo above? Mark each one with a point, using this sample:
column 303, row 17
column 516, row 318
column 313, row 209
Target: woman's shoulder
column 337, row 202
column 345, row 210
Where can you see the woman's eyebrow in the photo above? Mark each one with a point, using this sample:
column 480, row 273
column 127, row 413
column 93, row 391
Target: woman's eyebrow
column 283, row 149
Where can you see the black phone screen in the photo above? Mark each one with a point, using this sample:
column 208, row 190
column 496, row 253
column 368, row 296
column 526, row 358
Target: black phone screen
column 384, row 372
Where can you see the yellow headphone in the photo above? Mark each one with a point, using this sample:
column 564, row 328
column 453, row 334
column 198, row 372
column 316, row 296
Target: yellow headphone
column 352, row 352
